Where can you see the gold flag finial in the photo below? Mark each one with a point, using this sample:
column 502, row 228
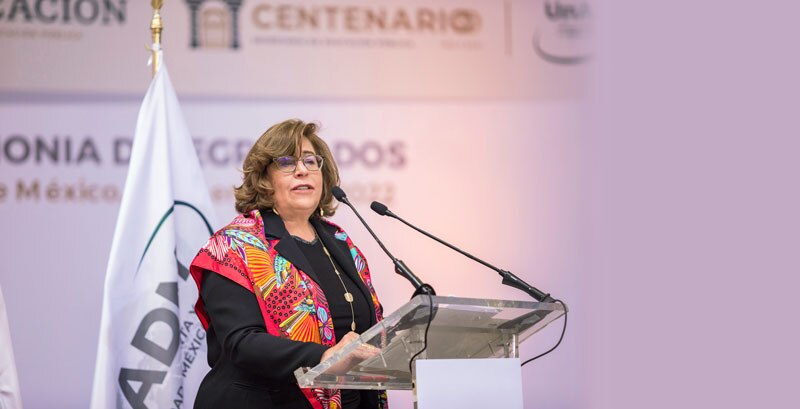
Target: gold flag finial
column 156, row 27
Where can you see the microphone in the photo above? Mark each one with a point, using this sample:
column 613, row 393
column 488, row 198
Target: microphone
column 381, row 209
column 509, row 278
column 399, row 266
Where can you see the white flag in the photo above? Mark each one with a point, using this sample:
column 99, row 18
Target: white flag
column 152, row 348
column 9, row 383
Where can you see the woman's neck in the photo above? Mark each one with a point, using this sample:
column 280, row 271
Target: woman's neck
column 299, row 226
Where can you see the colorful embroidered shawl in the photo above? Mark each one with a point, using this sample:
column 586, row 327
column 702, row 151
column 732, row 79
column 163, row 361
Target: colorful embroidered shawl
column 292, row 304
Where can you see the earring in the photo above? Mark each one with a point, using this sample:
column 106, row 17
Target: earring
column 274, row 210
column 321, row 212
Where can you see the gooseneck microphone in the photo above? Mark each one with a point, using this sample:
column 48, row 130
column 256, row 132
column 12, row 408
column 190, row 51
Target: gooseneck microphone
column 399, row 266
column 509, row 278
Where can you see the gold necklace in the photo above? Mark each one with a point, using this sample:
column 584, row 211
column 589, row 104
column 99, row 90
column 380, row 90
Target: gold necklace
column 347, row 295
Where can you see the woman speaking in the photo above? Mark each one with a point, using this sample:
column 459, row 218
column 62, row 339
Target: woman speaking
column 281, row 287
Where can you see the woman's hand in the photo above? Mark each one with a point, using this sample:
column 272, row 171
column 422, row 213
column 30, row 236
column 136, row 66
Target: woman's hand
column 360, row 354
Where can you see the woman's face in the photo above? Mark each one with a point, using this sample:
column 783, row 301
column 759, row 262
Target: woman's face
column 297, row 193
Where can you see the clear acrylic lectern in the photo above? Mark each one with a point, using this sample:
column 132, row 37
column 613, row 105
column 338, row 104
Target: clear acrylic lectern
column 460, row 328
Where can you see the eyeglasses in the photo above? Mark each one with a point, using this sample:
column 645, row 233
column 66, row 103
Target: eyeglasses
column 288, row 164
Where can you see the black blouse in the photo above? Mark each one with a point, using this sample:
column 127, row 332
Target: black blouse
column 340, row 311
column 334, row 291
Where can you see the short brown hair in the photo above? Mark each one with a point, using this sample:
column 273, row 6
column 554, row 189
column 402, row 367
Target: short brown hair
column 283, row 139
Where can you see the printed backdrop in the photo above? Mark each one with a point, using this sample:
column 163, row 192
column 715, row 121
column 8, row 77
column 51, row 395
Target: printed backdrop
column 312, row 48
column 463, row 117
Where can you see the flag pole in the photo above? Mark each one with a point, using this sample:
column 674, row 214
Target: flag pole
column 156, row 27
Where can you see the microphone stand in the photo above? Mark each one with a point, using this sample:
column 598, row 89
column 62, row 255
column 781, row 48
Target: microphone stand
column 399, row 266
column 509, row 278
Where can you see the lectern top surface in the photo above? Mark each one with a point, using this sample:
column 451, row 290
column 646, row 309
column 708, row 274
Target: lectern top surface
column 457, row 328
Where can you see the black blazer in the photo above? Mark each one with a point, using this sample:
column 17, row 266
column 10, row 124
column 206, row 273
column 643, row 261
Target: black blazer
column 249, row 367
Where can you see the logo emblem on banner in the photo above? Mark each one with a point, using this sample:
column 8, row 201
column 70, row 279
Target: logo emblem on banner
column 216, row 24
column 561, row 36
